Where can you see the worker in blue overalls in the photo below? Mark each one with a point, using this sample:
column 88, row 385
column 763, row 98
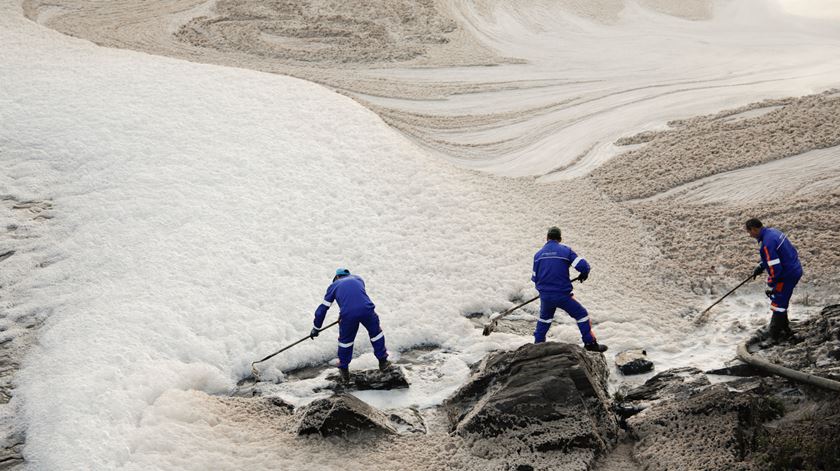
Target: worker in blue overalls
column 355, row 308
column 781, row 260
column 551, row 276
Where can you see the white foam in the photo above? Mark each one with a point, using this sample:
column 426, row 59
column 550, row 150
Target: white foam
column 820, row 9
column 199, row 212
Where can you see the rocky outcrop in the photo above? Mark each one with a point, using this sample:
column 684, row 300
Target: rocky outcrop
column 808, row 436
column 813, row 349
column 682, row 422
column 697, row 427
column 341, row 414
column 633, row 362
column 392, row 378
column 676, row 383
column 541, row 405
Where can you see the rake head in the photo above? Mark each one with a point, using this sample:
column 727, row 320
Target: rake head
column 491, row 326
column 488, row 328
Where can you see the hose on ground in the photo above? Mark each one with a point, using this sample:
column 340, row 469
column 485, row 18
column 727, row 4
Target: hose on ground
column 807, row 378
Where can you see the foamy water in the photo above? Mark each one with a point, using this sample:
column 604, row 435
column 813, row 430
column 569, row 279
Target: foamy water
column 199, row 213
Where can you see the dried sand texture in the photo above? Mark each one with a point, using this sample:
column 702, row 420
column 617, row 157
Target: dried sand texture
column 707, row 145
column 324, row 41
column 333, row 33
column 570, row 76
column 709, row 174
column 708, row 240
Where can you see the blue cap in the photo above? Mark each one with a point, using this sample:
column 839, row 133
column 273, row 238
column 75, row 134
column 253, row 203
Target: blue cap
column 342, row 272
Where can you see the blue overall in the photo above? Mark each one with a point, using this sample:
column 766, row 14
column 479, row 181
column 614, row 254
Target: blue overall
column 355, row 308
column 781, row 260
column 551, row 277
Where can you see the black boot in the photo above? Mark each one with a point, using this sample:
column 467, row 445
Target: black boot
column 780, row 327
column 384, row 364
column 344, row 374
column 595, row 347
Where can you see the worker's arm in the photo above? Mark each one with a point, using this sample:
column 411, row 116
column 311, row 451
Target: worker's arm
column 534, row 270
column 580, row 264
column 321, row 311
column 772, row 262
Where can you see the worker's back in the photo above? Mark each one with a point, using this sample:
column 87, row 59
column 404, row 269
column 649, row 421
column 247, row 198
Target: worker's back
column 350, row 293
column 774, row 243
column 551, row 268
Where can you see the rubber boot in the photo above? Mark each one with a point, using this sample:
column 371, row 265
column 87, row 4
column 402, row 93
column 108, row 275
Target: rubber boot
column 780, row 327
column 384, row 364
column 344, row 374
column 595, row 347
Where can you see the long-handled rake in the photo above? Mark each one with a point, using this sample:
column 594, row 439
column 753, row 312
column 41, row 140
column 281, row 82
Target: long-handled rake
column 494, row 320
column 701, row 319
column 254, row 364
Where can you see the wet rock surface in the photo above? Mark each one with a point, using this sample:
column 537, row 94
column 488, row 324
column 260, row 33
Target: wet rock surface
column 714, row 428
column 407, row 421
column 682, row 421
column 674, row 383
column 392, row 378
column 737, row 368
column 814, row 347
column 808, row 435
column 633, row 362
column 341, row 415
column 539, row 402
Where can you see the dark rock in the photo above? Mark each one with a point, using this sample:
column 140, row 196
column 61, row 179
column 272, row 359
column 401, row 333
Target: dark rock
column 805, row 439
column 814, row 346
column 712, row 429
column 633, row 362
column 625, row 410
column 341, row 414
column 738, row 369
column 281, row 404
column 392, row 378
column 669, row 383
column 808, row 436
column 407, row 421
column 754, row 422
column 545, row 398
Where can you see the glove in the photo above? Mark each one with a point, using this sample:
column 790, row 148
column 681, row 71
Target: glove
column 314, row 333
column 758, row 270
column 583, row 276
column 769, row 293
